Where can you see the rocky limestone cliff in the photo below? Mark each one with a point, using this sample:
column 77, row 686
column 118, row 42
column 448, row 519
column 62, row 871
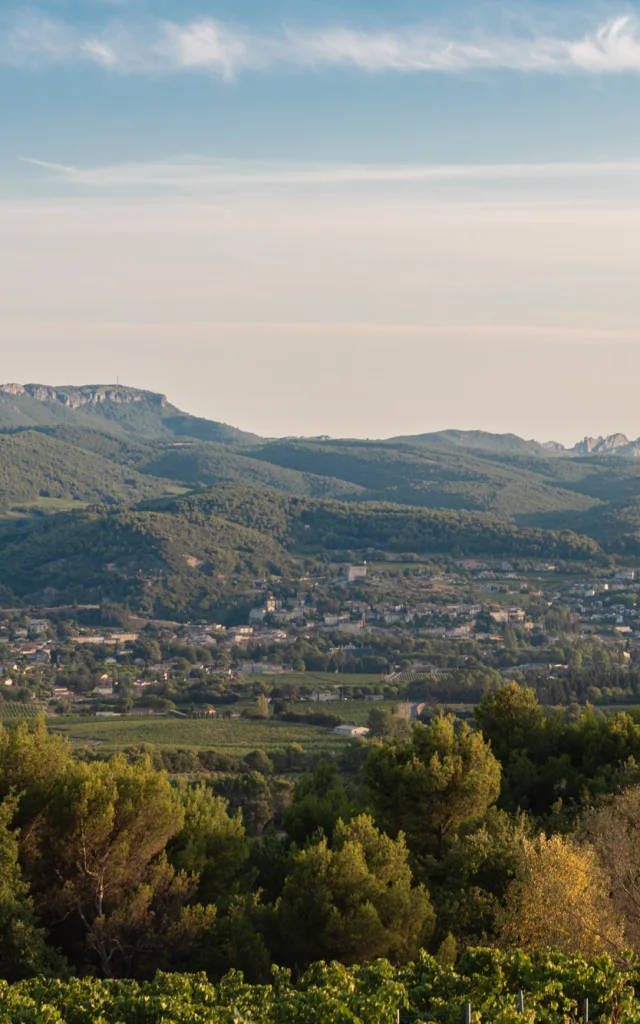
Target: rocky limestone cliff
column 88, row 394
column 602, row 445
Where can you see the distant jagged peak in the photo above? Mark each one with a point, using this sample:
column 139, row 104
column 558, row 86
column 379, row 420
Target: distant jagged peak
column 602, row 445
column 74, row 397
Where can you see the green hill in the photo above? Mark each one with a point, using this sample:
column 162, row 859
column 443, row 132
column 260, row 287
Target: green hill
column 209, row 464
column 112, row 409
column 162, row 562
column 478, row 439
column 433, row 476
column 313, row 526
column 116, row 444
column 196, row 555
column 37, row 468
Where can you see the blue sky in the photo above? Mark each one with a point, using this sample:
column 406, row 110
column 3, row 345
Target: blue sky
column 304, row 80
column 377, row 177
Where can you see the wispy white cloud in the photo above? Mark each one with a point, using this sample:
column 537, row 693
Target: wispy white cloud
column 200, row 173
column 224, row 49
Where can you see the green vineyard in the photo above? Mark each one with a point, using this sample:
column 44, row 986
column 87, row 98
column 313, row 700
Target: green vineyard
column 13, row 711
column 486, row 983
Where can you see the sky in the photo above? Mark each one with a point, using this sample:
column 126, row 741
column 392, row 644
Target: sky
column 310, row 217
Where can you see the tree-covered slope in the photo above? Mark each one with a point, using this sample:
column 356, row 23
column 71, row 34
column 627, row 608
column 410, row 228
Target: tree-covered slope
column 202, row 464
column 164, row 562
column 196, row 554
column 118, row 444
column 114, row 409
column 33, row 466
column 324, row 526
column 459, row 470
column 478, row 439
column 431, row 476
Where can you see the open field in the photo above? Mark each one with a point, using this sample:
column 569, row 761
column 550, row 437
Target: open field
column 352, row 711
column 238, row 736
column 393, row 566
column 319, row 680
column 21, row 509
column 13, row 711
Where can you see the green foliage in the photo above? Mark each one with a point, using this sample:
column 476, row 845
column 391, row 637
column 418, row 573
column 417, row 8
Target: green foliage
column 320, row 800
column 306, row 525
column 380, row 722
column 34, row 466
column 469, row 880
column 23, row 951
column 100, row 858
column 353, row 900
column 434, row 476
column 447, row 951
column 209, row 464
column 211, row 844
column 551, row 762
column 428, row 786
column 32, row 762
column 165, row 562
column 554, row 988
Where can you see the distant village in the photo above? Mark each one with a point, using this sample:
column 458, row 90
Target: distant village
column 413, row 634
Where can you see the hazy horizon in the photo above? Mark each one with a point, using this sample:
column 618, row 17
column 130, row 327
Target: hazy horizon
column 259, row 418
column 302, row 221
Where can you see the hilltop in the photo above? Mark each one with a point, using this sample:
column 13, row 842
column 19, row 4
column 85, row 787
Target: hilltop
column 110, row 408
column 117, row 445
column 613, row 444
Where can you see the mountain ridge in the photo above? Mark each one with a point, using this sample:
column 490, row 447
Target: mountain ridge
column 86, row 394
column 112, row 492
column 148, row 414
column 110, row 408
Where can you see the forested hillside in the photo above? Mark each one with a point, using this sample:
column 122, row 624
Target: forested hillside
column 433, row 476
column 195, row 555
column 454, row 493
column 325, row 526
column 206, row 465
column 114, row 409
column 36, row 466
column 519, row 481
column 163, row 562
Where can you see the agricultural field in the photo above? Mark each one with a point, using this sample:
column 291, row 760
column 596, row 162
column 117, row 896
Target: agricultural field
column 14, row 711
column 356, row 712
column 486, row 985
column 236, row 736
column 47, row 505
column 327, row 680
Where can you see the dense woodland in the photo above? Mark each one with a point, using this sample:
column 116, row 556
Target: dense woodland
column 66, row 443
column 194, row 555
column 259, row 508
column 449, row 836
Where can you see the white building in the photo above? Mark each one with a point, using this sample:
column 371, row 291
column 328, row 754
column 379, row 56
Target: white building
column 356, row 572
column 351, row 730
